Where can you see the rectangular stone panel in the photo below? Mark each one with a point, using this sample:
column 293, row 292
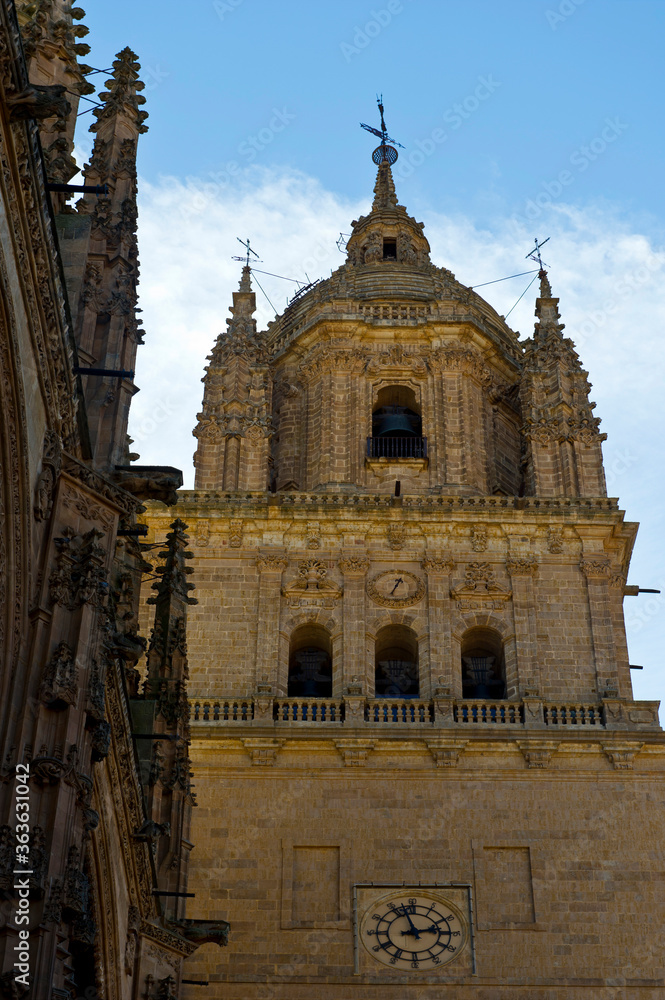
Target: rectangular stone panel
column 315, row 884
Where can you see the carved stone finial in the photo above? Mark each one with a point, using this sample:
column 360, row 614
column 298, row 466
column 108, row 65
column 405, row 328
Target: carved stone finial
column 385, row 195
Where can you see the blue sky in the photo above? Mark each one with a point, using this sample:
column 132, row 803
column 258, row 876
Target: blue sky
column 216, row 70
column 519, row 118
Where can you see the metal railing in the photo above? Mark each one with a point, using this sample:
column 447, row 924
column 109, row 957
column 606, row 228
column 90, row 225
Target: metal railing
column 397, row 447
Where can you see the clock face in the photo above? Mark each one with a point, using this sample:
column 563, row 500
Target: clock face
column 413, row 931
column 396, row 588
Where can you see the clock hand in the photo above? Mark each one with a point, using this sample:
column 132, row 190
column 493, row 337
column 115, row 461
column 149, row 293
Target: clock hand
column 414, row 930
column 397, row 583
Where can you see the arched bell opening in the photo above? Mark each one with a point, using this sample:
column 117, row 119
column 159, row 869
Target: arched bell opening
column 483, row 664
column 310, row 663
column 396, row 672
column 397, row 426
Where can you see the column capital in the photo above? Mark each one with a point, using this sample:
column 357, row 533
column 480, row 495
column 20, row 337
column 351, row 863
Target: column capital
column 598, row 567
column 441, row 563
column 354, row 565
column 522, row 565
column 271, row 562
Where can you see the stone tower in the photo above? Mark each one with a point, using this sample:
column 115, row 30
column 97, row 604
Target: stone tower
column 420, row 768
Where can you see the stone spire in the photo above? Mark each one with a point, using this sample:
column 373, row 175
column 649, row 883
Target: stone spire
column 50, row 41
column 388, row 233
column 235, row 426
column 104, row 294
column 547, row 311
column 562, row 443
column 385, row 195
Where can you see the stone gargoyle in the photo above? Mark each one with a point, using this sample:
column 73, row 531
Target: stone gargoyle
column 201, row 931
column 39, row 102
column 150, row 482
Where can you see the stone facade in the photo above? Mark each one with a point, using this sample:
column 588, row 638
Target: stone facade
column 410, row 688
column 93, row 861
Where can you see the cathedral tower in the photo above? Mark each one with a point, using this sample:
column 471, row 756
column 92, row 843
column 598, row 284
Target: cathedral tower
column 420, row 768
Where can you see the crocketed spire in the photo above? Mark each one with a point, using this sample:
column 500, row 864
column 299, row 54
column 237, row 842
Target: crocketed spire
column 385, row 195
column 547, row 311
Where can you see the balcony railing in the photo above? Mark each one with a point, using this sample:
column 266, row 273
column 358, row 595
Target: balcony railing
column 387, row 712
column 397, row 447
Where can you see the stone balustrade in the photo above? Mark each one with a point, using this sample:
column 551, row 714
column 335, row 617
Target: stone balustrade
column 385, row 713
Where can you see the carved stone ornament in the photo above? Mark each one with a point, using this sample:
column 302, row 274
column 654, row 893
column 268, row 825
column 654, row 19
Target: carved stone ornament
column 446, row 753
column 263, row 753
column 355, row 752
column 480, row 591
column 48, row 477
column 84, row 505
column 555, row 540
column 79, row 576
column 396, row 536
column 235, row 533
column 438, row 564
column 396, row 588
column 597, row 567
column 310, row 588
column 538, row 755
column 59, row 685
column 479, row 538
column 522, row 565
column 622, row 755
column 354, row 565
column 271, row 563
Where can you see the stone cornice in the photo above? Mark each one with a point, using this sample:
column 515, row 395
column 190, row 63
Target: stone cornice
column 366, row 502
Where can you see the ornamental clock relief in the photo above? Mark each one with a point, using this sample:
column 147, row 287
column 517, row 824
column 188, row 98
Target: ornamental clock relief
column 414, row 930
column 396, row 588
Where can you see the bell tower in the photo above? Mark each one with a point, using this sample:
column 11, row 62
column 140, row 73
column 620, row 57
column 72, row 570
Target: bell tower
column 419, row 763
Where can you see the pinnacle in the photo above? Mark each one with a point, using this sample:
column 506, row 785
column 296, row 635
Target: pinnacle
column 385, row 195
column 545, row 287
column 121, row 93
column 246, row 281
column 547, row 310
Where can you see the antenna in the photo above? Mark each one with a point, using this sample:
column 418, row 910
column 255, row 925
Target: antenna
column 249, row 250
column 535, row 253
column 383, row 153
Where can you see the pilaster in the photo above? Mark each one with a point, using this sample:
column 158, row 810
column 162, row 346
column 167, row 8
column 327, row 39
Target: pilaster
column 443, row 672
column 596, row 569
column 271, row 565
column 355, row 569
column 522, row 569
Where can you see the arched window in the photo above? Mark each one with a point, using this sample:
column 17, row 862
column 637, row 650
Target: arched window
column 396, row 663
column 310, row 663
column 483, row 665
column 397, row 426
column 396, row 413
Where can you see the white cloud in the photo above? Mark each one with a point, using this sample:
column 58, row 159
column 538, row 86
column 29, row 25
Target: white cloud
column 608, row 275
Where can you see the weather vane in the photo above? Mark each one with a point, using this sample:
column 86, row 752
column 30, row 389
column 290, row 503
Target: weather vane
column 383, row 153
column 534, row 254
column 249, row 250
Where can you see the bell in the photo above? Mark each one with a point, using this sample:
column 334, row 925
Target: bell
column 394, row 424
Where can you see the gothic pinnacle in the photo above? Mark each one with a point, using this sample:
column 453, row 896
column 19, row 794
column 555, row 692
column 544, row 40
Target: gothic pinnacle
column 547, row 310
column 385, row 195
